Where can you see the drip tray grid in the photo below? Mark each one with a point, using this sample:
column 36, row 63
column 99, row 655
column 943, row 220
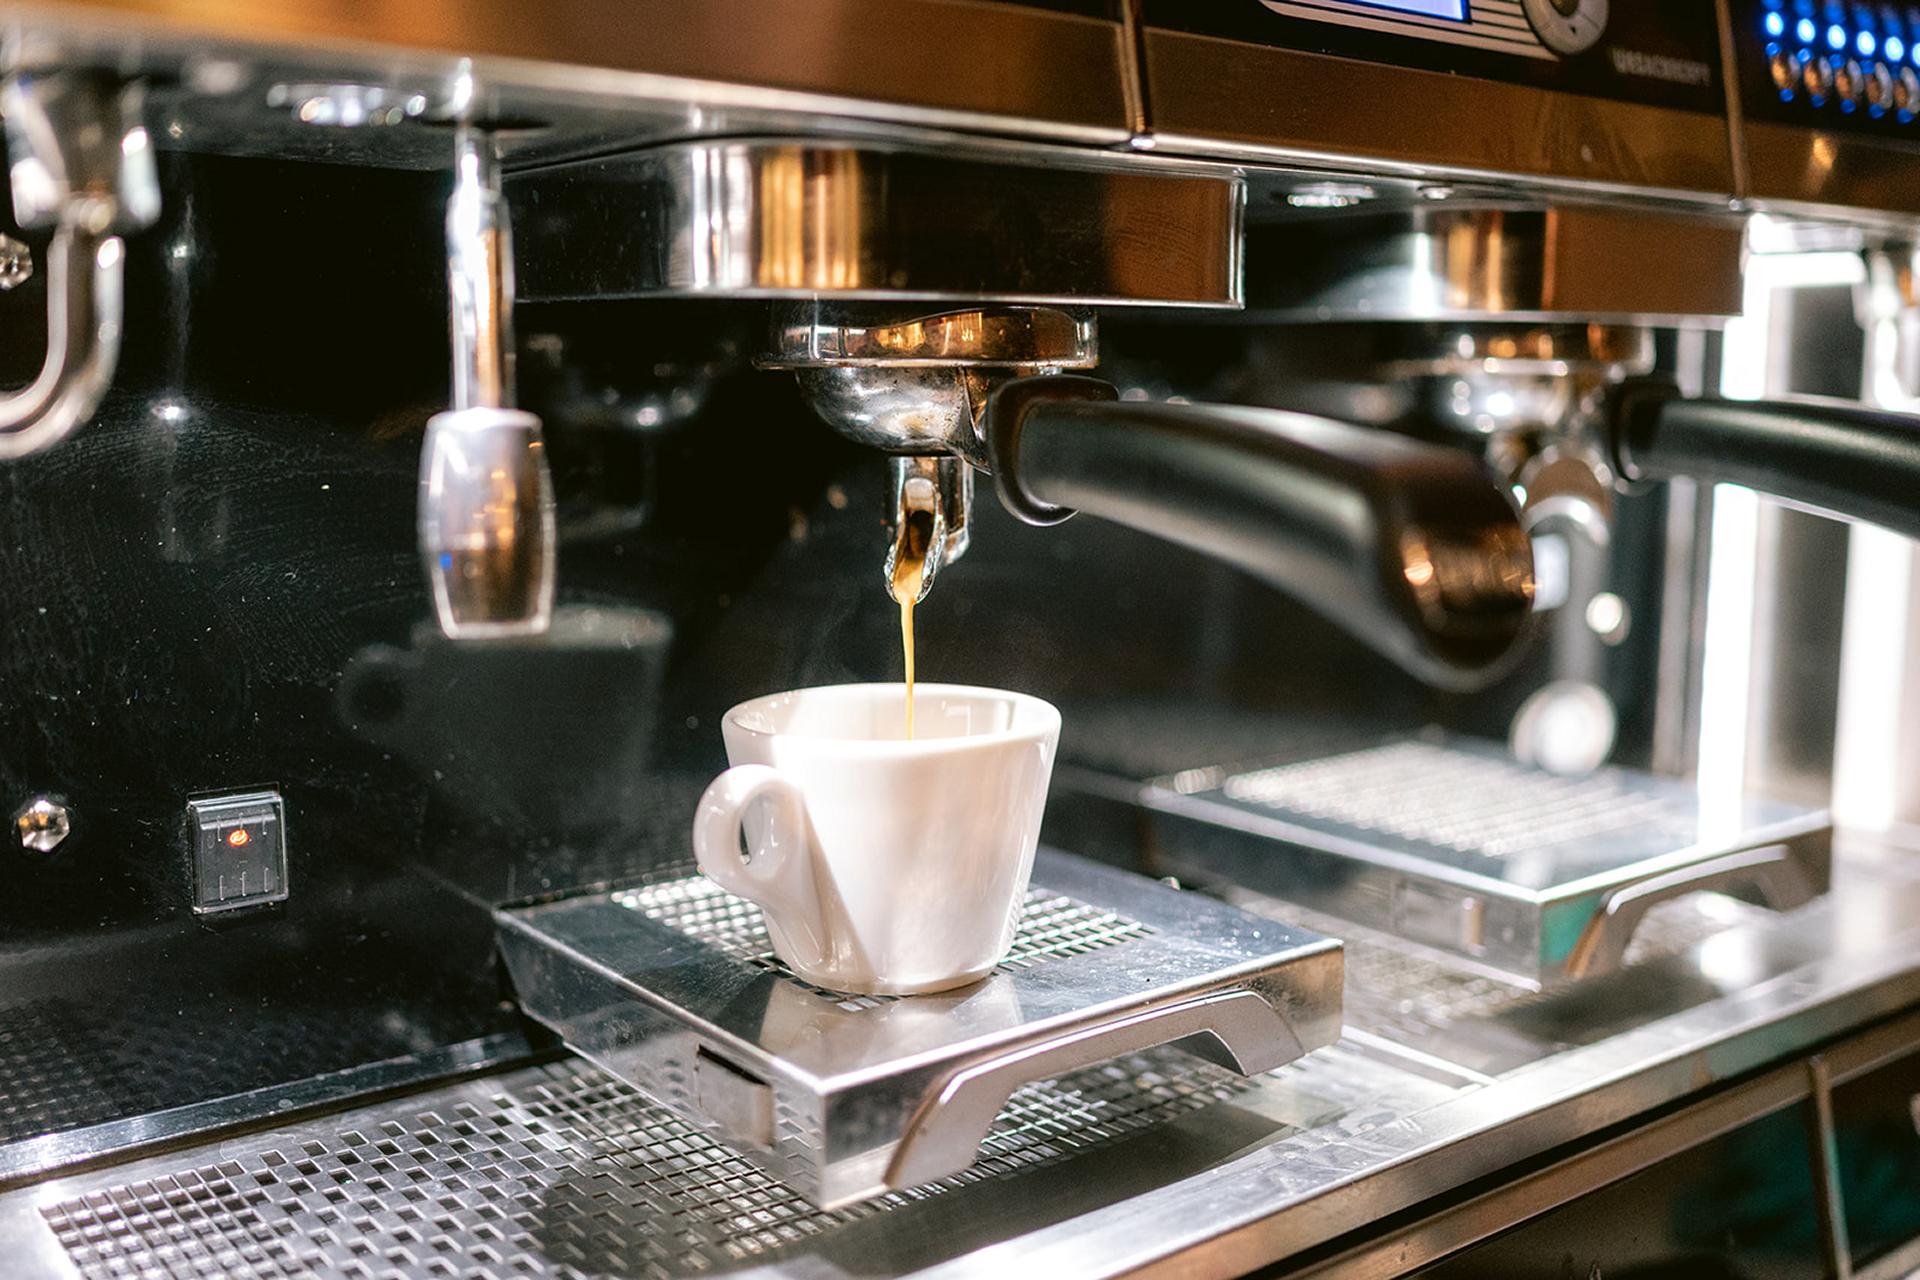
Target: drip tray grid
column 555, row 1172
column 1051, row 926
column 1447, row 844
column 673, row 987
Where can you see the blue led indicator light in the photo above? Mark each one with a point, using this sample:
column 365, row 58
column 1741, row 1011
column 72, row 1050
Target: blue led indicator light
column 1804, row 29
column 1775, row 24
column 1865, row 43
column 1836, row 37
column 1896, row 48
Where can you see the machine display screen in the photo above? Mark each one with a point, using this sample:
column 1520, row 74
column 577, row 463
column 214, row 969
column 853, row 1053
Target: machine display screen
column 1453, row 10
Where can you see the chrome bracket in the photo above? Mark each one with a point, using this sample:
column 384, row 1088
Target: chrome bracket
column 81, row 164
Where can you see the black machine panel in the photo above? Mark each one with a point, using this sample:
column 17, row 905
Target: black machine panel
column 1828, row 65
column 1656, row 52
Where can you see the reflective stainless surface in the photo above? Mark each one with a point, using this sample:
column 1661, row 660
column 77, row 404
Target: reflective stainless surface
column 911, row 382
column 936, row 483
column 114, row 1141
column 1246, row 101
column 41, row 824
column 1537, row 878
column 917, row 385
column 673, row 987
column 558, row 1168
column 1008, row 68
column 81, row 166
column 16, row 263
column 782, row 217
column 1462, row 260
column 486, row 517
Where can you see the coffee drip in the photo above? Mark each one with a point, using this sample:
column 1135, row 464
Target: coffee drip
column 908, row 578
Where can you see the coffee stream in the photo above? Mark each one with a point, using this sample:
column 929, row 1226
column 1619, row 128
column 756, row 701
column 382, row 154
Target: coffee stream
column 909, row 572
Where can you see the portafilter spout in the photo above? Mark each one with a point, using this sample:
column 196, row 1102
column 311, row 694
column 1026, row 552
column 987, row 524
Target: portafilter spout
column 916, row 385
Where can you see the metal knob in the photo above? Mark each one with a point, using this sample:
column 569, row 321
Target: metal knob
column 486, row 522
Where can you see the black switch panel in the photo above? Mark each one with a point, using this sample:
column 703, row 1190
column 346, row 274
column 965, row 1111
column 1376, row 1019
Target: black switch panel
column 239, row 851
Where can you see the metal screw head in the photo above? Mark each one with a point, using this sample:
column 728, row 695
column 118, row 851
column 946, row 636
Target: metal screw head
column 16, row 263
column 42, row 825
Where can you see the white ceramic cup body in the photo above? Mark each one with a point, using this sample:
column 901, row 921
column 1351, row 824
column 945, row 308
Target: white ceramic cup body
column 883, row 865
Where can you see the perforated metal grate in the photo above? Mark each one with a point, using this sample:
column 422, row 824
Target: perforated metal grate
column 556, row 1172
column 1458, row 800
column 1051, row 926
column 48, row 1079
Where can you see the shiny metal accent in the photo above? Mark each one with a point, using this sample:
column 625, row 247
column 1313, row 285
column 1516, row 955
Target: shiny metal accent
column 82, row 165
column 1251, row 102
column 30, row 1159
column 16, row 263
column 480, row 270
column 347, row 106
column 1567, row 26
column 942, row 484
column 1828, row 174
column 918, row 385
column 1775, row 874
column 486, row 523
column 1537, row 879
column 1020, row 69
column 1411, row 548
column 1460, row 261
column 42, row 824
column 871, row 1093
column 801, row 218
column 816, row 335
column 1826, row 1171
column 1407, row 1248
column 486, row 518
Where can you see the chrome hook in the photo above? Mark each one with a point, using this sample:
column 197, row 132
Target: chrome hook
column 82, row 164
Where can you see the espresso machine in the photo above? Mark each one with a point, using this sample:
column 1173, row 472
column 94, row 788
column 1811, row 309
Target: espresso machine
column 1450, row 461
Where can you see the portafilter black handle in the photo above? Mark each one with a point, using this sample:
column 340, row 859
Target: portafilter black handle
column 1414, row 549
column 1833, row 455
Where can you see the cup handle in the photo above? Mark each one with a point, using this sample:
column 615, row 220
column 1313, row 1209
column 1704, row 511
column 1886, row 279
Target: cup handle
column 780, row 876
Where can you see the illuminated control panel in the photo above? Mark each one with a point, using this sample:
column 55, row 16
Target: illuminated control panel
column 1530, row 28
column 1832, row 64
column 1658, row 52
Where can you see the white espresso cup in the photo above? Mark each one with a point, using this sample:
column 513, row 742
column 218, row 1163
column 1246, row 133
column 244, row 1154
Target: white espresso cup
column 884, row 864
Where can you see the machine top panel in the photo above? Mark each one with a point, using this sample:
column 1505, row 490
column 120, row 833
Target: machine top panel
column 1645, row 51
column 1623, row 96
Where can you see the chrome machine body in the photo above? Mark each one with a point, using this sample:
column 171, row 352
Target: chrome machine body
column 1378, row 352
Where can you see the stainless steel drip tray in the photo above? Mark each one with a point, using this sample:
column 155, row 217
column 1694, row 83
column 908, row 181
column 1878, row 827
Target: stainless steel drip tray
column 1450, row 846
column 673, row 987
